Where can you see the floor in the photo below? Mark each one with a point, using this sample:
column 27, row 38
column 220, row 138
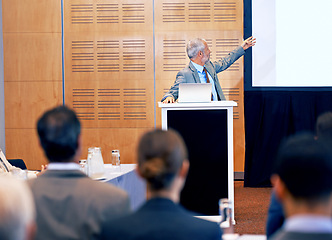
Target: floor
column 251, row 205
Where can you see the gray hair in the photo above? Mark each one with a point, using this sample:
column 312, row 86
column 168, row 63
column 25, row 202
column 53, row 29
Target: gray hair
column 17, row 209
column 194, row 46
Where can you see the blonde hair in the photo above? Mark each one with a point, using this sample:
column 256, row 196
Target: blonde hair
column 17, row 210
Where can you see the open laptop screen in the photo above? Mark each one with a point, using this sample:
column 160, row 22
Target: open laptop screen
column 195, row 92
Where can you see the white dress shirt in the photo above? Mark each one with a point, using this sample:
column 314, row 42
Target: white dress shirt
column 308, row 223
column 63, row 166
column 202, row 78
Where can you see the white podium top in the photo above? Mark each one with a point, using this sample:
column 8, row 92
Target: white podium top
column 200, row 105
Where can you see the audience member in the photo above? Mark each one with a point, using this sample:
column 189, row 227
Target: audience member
column 69, row 204
column 17, row 210
column 303, row 184
column 276, row 216
column 162, row 162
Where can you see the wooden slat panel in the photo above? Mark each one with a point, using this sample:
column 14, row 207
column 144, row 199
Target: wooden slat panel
column 124, row 139
column 108, row 57
column 122, row 104
column 233, row 91
column 108, row 16
column 171, row 53
column 24, row 144
column 191, row 15
column 32, row 56
column 26, row 101
column 39, row 16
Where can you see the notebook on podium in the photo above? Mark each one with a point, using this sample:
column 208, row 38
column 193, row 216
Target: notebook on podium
column 195, row 92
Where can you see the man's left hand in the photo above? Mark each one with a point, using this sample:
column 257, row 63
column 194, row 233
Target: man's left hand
column 249, row 42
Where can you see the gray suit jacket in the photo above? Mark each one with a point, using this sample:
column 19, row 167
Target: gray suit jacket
column 189, row 74
column 283, row 235
column 70, row 205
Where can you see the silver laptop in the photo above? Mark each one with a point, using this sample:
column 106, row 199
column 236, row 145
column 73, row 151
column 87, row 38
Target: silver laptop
column 195, row 92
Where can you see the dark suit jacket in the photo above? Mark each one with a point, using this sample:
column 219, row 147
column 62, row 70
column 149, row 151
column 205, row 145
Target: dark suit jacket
column 275, row 216
column 70, row 205
column 283, row 235
column 189, row 74
column 161, row 219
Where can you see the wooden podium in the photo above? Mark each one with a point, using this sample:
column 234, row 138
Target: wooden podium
column 207, row 129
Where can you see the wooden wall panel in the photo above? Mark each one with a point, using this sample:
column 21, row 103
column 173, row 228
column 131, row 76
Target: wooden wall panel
column 114, row 104
column 32, row 72
column 26, row 101
column 42, row 16
column 108, row 16
column 109, row 70
column 104, row 56
column 32, row 56
column 193, row 15
column 125, row 139
column 24, row 143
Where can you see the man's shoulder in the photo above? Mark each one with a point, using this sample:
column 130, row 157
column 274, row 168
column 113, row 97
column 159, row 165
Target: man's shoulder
column 81, row 182
column 185, row 70
column 186, row 73
column 285, row 235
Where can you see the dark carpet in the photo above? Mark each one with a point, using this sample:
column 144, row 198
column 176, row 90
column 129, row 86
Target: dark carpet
column 251, row 205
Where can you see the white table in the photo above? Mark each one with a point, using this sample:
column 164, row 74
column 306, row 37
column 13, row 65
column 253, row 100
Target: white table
column 234, row 236
column 126, row 178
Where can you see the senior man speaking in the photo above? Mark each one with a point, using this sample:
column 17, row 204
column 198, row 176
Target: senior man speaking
column 202, row 70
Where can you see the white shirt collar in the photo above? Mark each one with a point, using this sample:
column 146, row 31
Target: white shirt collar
column 308, row 223
column 63, row 166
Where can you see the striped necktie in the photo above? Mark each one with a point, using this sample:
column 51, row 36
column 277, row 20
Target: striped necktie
column 207, row 80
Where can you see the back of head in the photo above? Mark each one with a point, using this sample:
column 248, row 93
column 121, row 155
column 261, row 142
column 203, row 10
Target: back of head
column 160, row 157
column 194, row 46
column 305, row 166
column 16, row 209
column 324, row 126
column 58, row 131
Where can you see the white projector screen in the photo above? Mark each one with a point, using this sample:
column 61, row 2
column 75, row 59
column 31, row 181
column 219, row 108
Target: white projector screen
column 293, row 43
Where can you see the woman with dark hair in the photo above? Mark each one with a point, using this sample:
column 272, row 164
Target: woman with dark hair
column 162, row 162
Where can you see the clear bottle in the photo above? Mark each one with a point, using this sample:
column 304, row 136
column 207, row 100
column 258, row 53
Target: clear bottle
column 83, row 165
column 116, row 158
column 225, row 210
